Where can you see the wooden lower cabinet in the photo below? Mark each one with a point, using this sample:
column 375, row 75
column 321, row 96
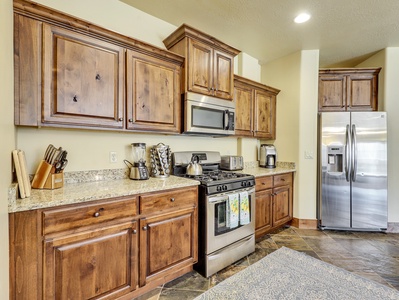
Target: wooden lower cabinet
column 93, row 264
column 117, row 248
column 166, row 243
column 274, row 202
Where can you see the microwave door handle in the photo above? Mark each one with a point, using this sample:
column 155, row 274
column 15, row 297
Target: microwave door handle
column 226, row 119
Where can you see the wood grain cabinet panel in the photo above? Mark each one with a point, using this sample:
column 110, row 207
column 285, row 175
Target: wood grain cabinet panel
column 83, row 79
column 72, row 74
column 153, row 94
column 167, row 243
column 93, row 264
column 348, row 89
column 104, row 249
column 274, row 202
column 209, row 66
column 255, row 108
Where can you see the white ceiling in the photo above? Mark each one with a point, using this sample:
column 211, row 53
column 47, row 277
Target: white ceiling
column 346, row 31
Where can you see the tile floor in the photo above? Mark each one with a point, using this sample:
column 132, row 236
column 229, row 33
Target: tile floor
column 371, row 255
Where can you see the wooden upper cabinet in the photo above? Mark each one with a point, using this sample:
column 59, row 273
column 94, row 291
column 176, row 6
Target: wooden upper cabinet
column 348, row 89
column 255, row 108
column 83, row 79
column 153, row 93
column 73, row 74
column 209, row 67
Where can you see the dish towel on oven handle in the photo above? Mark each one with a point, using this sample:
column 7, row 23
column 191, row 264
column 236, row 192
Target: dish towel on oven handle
column 244, row 208
column 232, row 211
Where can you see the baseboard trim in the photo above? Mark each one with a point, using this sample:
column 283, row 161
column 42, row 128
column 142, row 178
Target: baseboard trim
column 393, row 227
column 304, row 223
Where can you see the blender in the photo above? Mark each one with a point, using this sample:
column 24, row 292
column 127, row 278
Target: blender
column 138, row 170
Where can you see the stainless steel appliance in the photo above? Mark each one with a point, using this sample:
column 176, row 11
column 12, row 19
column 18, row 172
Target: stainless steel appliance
column 232, row 162
column 223, row 239
column 206, row 115
column 267, row 156
column 352, row 171
column 138, row 170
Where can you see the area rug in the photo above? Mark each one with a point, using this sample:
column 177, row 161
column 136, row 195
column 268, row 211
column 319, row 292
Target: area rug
column 288, row 274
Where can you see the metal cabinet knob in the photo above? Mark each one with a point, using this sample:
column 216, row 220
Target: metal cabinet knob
column 145, row 228
column 131, row 120
column 75, row 98
column 172, row 199
column 96, row 214
column 120, row 119
column 134, row 231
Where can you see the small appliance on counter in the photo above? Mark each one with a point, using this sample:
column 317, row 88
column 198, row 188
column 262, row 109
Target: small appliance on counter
column 138, row 169
column 267, row 156
column 232, row 162
column 160, row 160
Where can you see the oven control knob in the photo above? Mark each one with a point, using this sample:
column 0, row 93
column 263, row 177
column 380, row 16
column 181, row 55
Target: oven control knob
column 225, row 187
column 218, row 188
column 244, row 183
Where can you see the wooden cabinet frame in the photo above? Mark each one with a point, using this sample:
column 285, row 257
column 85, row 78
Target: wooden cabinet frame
column 348, row 89
column 54, row 89
column 255, row 108
column 274, row 202
column 209, row 66
column 70, row 250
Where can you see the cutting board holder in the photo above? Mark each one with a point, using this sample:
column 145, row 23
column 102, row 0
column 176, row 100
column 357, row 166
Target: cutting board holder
column 46, row 178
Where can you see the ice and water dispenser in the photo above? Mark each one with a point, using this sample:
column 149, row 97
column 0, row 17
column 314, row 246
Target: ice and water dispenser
column 335, row 158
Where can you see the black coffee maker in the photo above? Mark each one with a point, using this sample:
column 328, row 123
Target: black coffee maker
column 268, row 156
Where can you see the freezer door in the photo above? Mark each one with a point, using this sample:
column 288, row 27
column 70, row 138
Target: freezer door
column 369, row 174
column 334, row 197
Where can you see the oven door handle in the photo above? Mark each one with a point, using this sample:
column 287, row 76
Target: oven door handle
column 225, row 197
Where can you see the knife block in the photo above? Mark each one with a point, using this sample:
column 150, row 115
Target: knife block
column 46, row 178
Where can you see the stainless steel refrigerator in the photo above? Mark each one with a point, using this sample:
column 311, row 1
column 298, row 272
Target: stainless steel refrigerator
column 352, row 191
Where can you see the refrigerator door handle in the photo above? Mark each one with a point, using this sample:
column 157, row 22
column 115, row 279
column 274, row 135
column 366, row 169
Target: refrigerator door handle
column 348, row 144
column 354, row 153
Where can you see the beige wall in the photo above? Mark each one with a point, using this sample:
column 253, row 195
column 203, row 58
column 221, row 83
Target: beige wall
column 297, row 77
column 6, row 132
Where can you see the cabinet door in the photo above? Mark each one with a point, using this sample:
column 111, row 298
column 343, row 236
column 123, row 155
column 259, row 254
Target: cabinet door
column 265, row 115
column 27, row 70
column 223, row 75
column 362, row 92
column 153, row 94
column 243, row 97
column 168, row 242
column 282, row 205
column 83, row 80
column 89, row 265
column 332, row 92
column 263, row 209
column 199, row 67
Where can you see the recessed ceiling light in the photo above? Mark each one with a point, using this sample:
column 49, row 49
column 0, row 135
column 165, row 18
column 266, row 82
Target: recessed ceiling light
column 301, row 18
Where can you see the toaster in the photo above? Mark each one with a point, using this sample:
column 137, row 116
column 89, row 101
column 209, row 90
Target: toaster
column 231, row 162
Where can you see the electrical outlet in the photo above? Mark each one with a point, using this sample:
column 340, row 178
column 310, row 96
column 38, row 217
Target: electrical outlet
column 309, row 154
column 112, row 157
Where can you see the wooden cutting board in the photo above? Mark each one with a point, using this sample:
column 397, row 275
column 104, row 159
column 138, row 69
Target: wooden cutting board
column 24, row 171
column 17, row 167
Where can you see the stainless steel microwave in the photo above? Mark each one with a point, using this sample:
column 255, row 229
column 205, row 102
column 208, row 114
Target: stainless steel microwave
column 206, row 115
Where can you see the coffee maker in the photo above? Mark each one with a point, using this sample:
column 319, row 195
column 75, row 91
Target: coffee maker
column 138, row 170
column 268, row 156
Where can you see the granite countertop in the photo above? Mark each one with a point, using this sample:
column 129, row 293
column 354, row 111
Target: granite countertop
column 96, row 185
column 80, row 192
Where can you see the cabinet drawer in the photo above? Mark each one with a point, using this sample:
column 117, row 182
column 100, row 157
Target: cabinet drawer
column 82, row 215
column 283, row 179
column 173, row 199
column 263, row 183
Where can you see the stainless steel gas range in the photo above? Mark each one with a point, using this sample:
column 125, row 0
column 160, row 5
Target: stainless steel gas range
column 226, row 207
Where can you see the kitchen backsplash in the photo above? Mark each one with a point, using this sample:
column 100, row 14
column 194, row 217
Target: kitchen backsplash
column 115, row 174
